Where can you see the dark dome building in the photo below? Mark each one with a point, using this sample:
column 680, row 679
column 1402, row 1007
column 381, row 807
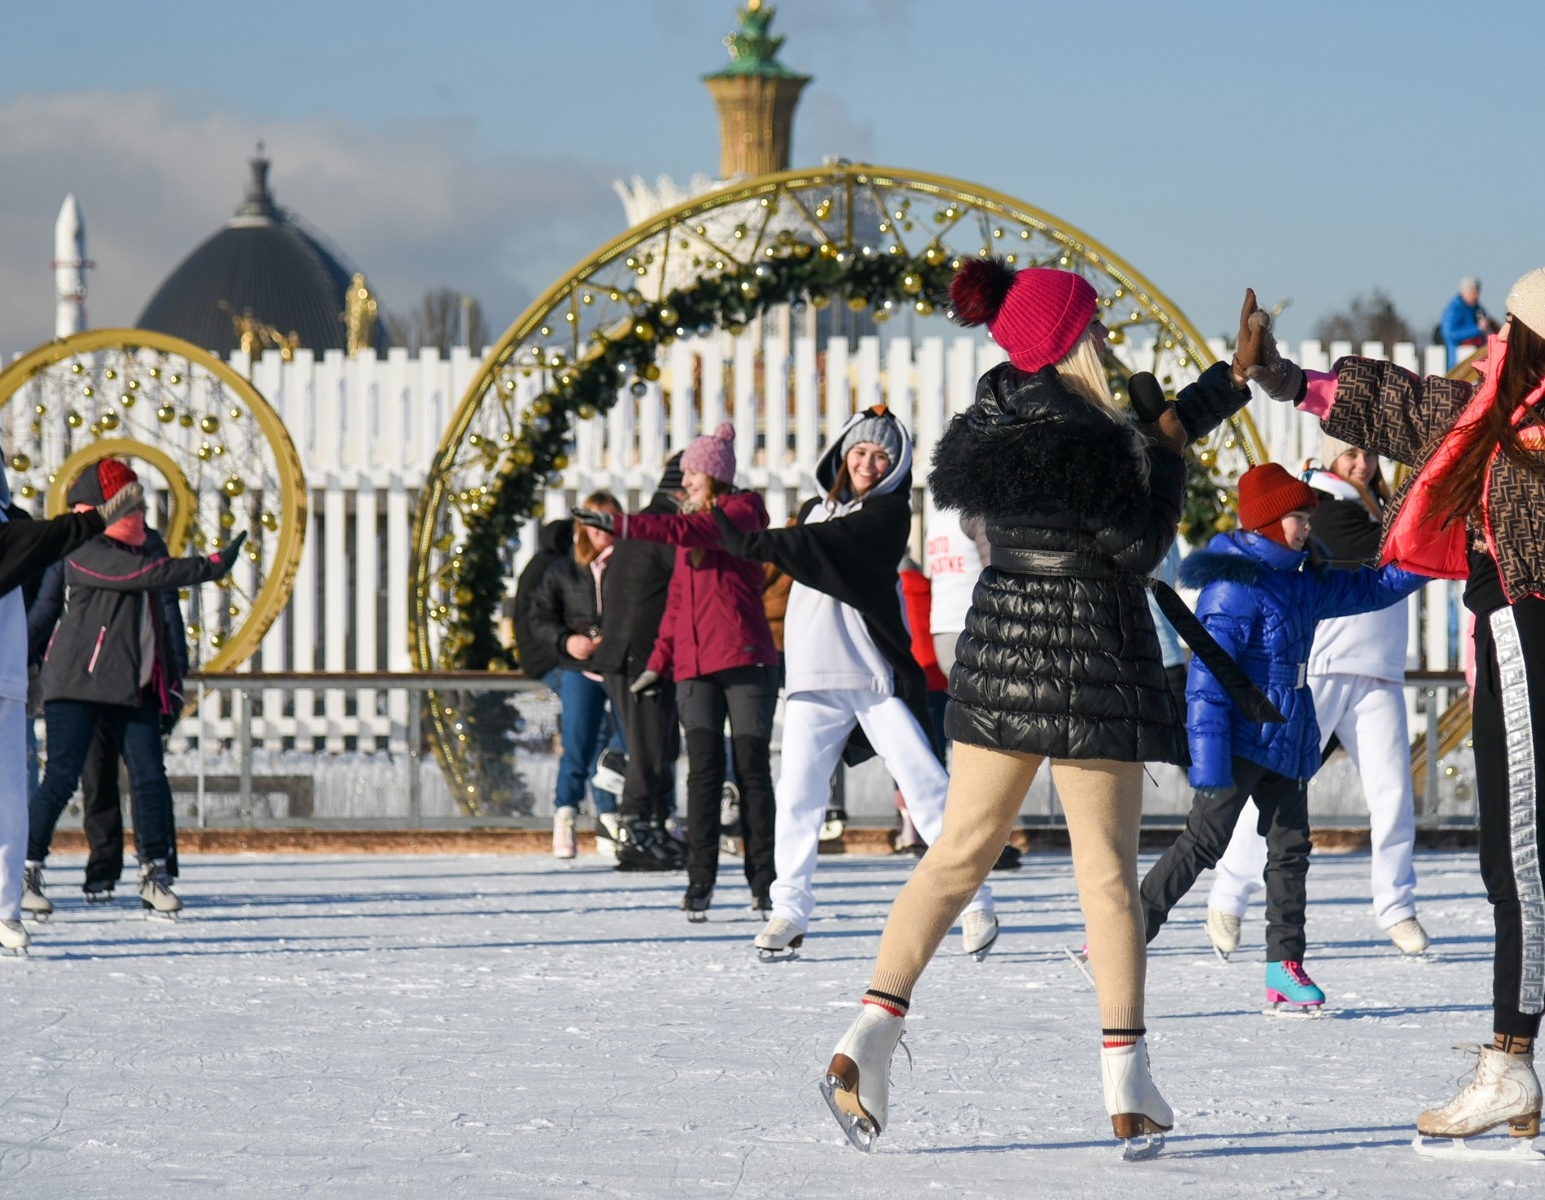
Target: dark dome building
column 261, row 279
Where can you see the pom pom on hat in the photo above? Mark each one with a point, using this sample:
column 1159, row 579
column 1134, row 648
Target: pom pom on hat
column 1037, row 315
column 1267, row 493
column 713, row 454
column 1526, row 301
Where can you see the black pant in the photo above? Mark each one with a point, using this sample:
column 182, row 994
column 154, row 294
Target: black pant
column 649, row 726
column 748, row 696
column 1508, row 828
column 136, row 734
column 102, row 813
column 1284, row 806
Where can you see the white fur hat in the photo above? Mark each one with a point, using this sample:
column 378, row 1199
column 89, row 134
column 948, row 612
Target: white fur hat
column 1526, row 300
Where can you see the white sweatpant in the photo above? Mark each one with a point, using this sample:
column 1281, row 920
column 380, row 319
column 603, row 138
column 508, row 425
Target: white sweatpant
column 13, row 806
column 1369, row 716
column 816, row 726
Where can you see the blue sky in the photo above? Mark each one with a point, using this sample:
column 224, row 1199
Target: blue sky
column 1312, row 149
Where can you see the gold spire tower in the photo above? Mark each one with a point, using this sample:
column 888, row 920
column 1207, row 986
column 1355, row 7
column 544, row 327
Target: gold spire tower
column 756, row 96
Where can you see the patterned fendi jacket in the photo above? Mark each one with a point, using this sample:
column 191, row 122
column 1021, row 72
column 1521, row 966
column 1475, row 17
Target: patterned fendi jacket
column 1386, row 409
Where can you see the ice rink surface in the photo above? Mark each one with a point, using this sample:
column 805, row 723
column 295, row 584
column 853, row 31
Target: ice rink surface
column 516, row 1027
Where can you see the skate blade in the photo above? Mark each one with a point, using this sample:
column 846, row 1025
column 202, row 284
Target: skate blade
column 1518, row 1152
column 856, row 1126
column 776, row 956
column 1143, row 1148
column 1079, row 961
column 172, row 916
column 697, row 918
column 99, row 897
column 42, row 918
column 13, row 952
column 1296, row 1012
column 1222, row 954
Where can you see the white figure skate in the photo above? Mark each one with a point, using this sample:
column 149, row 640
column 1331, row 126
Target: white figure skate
column 779, row 938
column 1222, row 932
column 978, row 932
column 1138, row 1114
column 1409, row 937
column 1503, row 1089
column 857, row 1086
column 14, row 938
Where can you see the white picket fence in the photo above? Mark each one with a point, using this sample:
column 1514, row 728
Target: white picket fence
column 367, row 430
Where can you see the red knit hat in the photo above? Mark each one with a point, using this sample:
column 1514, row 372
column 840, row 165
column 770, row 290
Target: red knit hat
column 1267, row 493
column 102, row 483
column 1037, row 314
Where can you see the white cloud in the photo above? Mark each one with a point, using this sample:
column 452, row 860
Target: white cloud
column 414, row 206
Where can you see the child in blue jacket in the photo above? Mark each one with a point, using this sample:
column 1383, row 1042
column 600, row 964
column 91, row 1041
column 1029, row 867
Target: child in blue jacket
column 1261, row 598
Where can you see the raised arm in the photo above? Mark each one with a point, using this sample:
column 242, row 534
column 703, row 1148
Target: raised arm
column 117, row 569
column 28, row 548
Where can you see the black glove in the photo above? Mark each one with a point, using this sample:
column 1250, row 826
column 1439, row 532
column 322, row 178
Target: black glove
column 227, row 556
column 1204, row 405
column 647, row 684
column 129, row 498
column 1148, row 400
column 732, row 539
column 604, row 521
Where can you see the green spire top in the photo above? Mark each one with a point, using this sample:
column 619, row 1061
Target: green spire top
column 753, row 49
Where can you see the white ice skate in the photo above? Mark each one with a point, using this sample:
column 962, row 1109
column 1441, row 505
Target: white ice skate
column 33, row 901
column 978, row 932
column 563, row 832
column 155, row 891
column 857, row 1086
column 1138, row 1114
column 779, row 938
column 1409, row 937
column 1503, row 1089
column 1222, row 932
column 13, row 937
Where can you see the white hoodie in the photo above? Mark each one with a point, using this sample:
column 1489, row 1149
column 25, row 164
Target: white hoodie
column 1373, row 644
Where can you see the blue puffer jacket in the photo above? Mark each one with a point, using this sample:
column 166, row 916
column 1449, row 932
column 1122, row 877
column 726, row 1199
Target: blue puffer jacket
column 1262, row 601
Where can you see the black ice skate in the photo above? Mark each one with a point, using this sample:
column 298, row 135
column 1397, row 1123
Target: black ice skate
column 699, row 896
column 98, row 891
column 34, row 903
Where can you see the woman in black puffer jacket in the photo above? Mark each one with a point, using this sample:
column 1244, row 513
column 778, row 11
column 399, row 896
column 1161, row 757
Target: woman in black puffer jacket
column 1059, row 659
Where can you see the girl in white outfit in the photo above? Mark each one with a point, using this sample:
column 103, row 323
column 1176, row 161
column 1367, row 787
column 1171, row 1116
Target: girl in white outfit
column 1356, row 675
column 853, row 688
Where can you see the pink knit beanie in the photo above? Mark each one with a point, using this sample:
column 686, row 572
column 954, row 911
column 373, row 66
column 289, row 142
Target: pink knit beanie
column 713, row 454
column 1037, row 314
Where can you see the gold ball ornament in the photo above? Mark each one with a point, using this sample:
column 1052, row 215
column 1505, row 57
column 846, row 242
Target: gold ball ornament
column 74, row 420
column 166, row 414
column 209, row 424
column 20, row 462
column 185, row 420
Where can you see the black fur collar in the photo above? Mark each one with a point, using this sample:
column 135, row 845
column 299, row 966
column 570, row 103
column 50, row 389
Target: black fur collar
column 1029, row 445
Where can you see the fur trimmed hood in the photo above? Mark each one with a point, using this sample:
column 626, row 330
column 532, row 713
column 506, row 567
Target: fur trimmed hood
column 1028, row 444
column 1241, row 557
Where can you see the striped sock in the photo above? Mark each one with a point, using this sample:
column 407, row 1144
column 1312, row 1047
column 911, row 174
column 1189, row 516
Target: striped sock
column 1120, row 1037
column 895, row 1005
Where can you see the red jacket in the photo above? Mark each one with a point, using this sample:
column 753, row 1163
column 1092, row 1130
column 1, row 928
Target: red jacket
column 714, row 618
column 918, row 594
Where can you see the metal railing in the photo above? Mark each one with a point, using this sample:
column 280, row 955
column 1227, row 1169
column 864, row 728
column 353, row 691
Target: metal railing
column 418, row 684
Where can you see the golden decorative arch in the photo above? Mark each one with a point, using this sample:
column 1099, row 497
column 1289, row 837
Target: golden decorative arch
column 226, row 456
column 879, row 238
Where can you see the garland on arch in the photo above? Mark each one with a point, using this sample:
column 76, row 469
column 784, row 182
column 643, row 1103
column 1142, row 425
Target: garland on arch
column 796, row 274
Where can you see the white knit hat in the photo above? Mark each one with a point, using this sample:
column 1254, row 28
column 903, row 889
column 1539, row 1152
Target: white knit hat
column 1526, row 300
column 1332, row 448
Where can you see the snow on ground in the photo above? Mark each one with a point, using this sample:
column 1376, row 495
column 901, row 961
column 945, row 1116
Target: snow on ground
column 516, row 1027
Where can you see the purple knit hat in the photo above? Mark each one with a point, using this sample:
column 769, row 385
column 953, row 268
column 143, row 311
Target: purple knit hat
column 713, row 455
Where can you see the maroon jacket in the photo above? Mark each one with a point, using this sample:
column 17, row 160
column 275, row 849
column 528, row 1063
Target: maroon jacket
column 713, row 613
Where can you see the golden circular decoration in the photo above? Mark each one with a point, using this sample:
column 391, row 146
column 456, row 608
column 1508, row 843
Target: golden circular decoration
column 170, row 374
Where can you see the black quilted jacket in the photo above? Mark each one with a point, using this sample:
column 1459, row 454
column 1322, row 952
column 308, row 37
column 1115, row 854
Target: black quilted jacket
column 1062, row 666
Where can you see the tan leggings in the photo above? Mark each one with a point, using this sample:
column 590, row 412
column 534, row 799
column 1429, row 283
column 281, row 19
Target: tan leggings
column 1104, row 806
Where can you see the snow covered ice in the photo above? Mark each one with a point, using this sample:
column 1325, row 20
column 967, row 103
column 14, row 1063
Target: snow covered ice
column 517, row 1027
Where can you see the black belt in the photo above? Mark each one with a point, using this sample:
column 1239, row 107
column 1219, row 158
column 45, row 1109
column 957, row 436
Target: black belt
column 1084, row 565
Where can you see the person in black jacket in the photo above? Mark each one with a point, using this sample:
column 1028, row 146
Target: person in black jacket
column 537, row 659
column 564, row 621
column 101, row 797
column 633, row 594
column 107, row 664
column 1059, row 659
column 27, row 547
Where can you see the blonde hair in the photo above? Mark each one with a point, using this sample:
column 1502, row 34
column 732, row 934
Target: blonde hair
column 1082, row 371
column 585, row 550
